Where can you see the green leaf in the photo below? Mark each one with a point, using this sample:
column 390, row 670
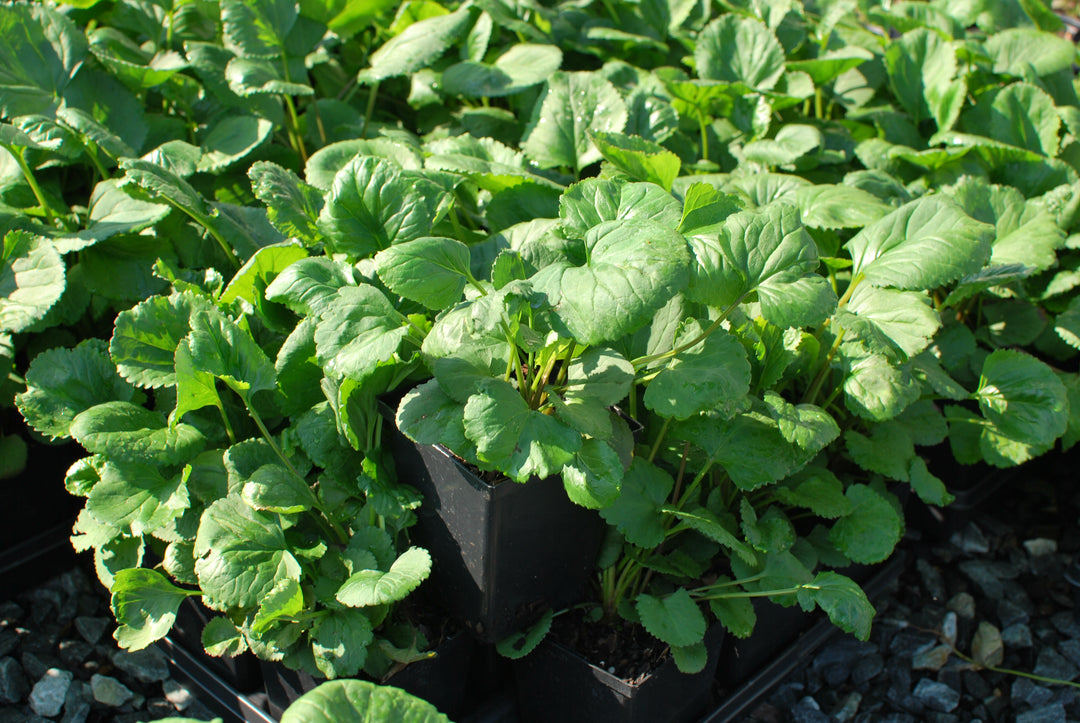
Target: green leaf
column 159, row 183
column 145, row 604
column 632, row 269
column 929, row 488
column 1014, row 50
column 417, row 46
column 41, row 54
column 219, row 346
column 770, row 533
column 888, row 451
column 899, row 324
column 428, row 415
column 641, row 159
column 1024, row 116
column 357, row 331
column 32, row 279
column 339, row 641
column 291, row 205
column 222, row 638
column 842, row 600
column 232, row 139
column 128, row 432
column 374, row 587
column 519, row 441
column 765, row 251
column 922, row 245
column 831, row 64
column 594, row 477
column 708, row 524
column 248, row 77
column 522, row 66
column 922, row 66
column 112, row 212
column 1022, row 399
column 705, row 209
column 739, row 50
column 62, row 383
column 126, row 60
column 1026, row 234
column 805, row 425
column 520, row 644
column 675, row 619
column 737, row 615
column 137, row 497
column 600, row 375
column 326, row 162
column 371, row 206
column 792, row 142
column 195, row 388
column 588, row 204
column 241, row 554
column 431, row 270
column 713, row 374
column 273, row 488
column 286, row 600
column 748, row 446
column 572, row 105
column 257, row 28
column 251, row 280
column 309, row 285
column 877, row 390
column 359, row 700
column 870, row 532
column 818, row 490
column 834, row 207
column 145, row 338
column 636, row 512
column 690, row 659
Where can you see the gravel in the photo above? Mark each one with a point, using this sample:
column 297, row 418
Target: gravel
column 994, row 587
column 59, row 662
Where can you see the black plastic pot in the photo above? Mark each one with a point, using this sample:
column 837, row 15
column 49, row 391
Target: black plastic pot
column 440, row 680
column 971, row 485
column 241, row 673
column 220, row 697
column 502, row 553
column 556, row 685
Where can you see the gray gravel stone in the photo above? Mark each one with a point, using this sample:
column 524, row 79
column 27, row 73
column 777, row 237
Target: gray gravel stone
column 74, row 652
column 1030, row 692
column 1017, row 636
column 868, row 668
column 1071, row 650
column 970, row 540
column 179, row 696
column 847, row 707
column 1047, row 714
column 13, row 683
column 1051, row 664
column 1009, row 613
column 985, row 577
column 949, row 627
column 1040, row 546
column 9, row 640
column 109, row 691
column 936, row 696
column 147, row 666
column 34, row 666
column 932, row 581
column 91, row 628
column 1066, row 624
column 963, row 604
column 931, row 658
column 47, row 697
column 807, row 710
column 911, row 642
column 78, row 703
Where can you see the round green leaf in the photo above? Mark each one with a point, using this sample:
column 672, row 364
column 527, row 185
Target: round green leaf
column 362, row 702
column 31, row 280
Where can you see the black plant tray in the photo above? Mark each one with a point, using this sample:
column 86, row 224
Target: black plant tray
column 217, row 695
column 241, row 673
column 778, row 656
column 36, row 558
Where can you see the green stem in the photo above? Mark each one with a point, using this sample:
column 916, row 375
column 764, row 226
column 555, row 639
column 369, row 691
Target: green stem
column 226, row 422
column 659, row 439
column 704, row 137
column 649, row 359
column 823, row 371
column 818, row 103
column 294, row 129
column 744, row 594
column 1010, row 671
column 28, row 174
column 370, row 111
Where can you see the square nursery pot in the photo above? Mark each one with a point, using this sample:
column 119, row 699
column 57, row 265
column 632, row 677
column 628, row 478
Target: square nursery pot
column 556, row 685
column 503, row 553
column 440, row 680
column 971, row 484
column 241, row 673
